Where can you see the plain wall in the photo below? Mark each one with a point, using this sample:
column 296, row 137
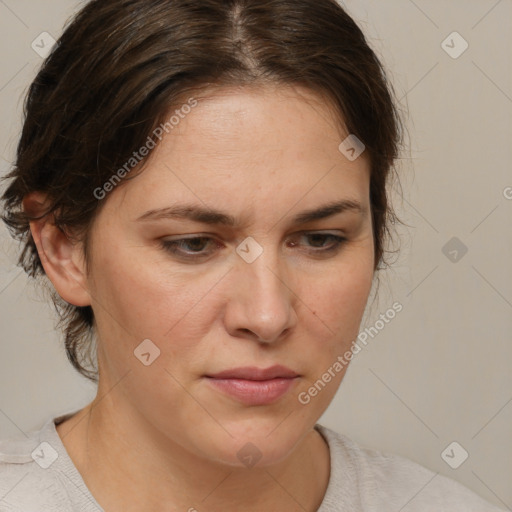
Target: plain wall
column 441, row 370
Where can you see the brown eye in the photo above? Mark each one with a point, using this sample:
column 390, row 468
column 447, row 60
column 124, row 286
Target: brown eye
column 317, row 242
column 188, row 247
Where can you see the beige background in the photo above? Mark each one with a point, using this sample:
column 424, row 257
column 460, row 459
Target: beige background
column 441, row 370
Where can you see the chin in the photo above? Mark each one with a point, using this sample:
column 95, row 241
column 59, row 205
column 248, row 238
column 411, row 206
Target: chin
column 250, row 454
column 263, row 443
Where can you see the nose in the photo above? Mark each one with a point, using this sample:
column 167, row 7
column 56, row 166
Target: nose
column 261, row 302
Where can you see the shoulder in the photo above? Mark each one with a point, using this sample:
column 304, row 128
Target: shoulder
column 29, row 479
column 386, row 481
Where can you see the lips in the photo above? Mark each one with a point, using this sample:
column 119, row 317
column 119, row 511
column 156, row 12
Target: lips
column 254, row 386
column 254, row 373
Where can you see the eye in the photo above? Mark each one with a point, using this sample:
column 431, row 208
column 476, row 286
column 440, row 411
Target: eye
column 194, row 248
column 318, row 242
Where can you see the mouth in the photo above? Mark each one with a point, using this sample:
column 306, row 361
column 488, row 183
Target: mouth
column 254, row 386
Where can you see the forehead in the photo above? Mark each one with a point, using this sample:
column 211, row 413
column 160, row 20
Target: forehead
column 246, row 147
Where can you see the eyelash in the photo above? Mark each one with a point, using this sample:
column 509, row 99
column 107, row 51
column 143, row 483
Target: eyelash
column 172, row 246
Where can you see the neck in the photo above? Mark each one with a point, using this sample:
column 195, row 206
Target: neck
column 128, row 465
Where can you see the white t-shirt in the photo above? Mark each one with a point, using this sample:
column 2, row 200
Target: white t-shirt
column 37, row 475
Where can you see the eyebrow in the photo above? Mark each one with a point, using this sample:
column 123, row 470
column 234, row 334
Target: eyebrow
column 210, row 216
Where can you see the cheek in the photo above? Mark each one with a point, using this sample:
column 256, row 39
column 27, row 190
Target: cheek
column 135, row 300
column 340, row 298
column 333, row 325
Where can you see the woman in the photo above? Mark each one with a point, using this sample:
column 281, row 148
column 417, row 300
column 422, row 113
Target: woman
column 204, row 184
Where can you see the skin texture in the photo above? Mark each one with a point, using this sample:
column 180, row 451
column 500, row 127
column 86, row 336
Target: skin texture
column 161, row 434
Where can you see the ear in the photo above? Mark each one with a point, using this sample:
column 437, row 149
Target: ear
column 62, row 259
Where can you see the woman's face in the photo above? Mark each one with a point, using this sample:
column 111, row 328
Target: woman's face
column 251, row 287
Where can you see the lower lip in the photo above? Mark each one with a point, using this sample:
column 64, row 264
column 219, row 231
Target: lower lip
column 254, row 392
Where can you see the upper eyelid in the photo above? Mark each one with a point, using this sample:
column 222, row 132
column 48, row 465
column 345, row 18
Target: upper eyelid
column 193, row 236
column 341, row 238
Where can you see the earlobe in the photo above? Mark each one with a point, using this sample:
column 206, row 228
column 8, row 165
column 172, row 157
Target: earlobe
column 61, row 257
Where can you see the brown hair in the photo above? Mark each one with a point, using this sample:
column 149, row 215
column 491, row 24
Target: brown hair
column 121, row 64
